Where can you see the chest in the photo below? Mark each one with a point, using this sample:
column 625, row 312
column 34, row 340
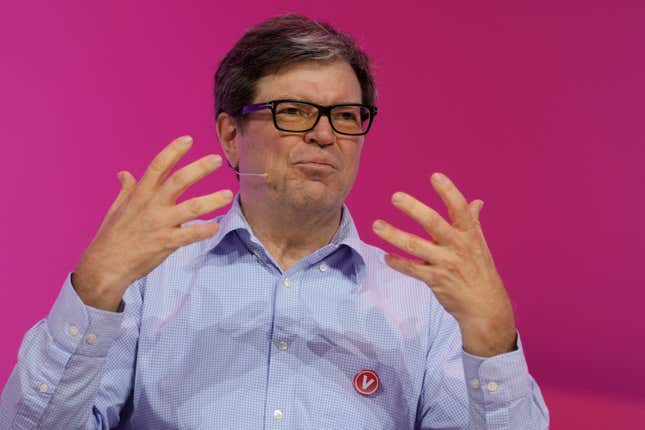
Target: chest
column 250, row 348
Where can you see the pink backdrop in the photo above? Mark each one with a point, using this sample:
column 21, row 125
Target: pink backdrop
column 538, row 110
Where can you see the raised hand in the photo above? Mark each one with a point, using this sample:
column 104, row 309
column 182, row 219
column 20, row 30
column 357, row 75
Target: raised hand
column 143, row 225
column 457, row 265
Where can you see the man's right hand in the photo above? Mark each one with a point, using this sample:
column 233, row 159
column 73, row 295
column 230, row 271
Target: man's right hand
column 143, row 225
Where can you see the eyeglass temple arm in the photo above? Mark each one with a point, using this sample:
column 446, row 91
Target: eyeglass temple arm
column 257, row 106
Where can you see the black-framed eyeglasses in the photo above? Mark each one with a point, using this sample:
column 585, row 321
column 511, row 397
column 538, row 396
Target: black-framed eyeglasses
column 353, row 119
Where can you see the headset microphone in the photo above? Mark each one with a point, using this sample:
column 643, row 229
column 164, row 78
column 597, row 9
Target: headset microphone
column 265, row 174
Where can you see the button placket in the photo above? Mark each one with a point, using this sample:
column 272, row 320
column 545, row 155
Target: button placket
column 281, row 365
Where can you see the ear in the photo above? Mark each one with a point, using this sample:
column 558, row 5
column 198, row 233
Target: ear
column 227, row 133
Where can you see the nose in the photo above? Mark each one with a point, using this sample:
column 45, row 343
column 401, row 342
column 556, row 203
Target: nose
column 322, row 134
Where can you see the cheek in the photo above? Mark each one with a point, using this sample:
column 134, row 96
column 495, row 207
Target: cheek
column 353, row 157
column 266, row 148
column 278, row 152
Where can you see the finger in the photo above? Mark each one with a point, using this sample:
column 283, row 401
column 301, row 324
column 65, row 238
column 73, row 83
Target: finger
column 183, row 178
column 454, row 201
column 164, row 161
column 195, row 207
column 408, row 267
column 432, row 222
column 193, row 233
column 410, row 243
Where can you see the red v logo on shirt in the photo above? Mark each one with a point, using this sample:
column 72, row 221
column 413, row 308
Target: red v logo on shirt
column 366, row 382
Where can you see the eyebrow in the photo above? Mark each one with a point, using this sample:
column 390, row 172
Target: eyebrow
column 306, row 99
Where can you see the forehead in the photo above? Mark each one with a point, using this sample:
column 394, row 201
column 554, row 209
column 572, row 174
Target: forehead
column 319, row 82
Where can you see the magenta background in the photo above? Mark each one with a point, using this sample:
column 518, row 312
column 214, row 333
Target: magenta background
column 538, row 110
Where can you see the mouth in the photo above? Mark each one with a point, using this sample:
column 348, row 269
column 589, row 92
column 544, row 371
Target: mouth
column 316, row 169
column 315, row 164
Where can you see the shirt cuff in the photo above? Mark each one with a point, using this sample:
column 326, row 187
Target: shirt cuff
column 81, row 329
column 502, row 378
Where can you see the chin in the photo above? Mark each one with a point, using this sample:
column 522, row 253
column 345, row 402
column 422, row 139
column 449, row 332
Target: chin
column 315, row 195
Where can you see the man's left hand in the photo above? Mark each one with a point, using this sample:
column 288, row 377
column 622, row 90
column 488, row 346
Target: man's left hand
column 457, row 265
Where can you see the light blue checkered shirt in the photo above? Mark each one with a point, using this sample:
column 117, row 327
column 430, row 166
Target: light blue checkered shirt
column 218, row 337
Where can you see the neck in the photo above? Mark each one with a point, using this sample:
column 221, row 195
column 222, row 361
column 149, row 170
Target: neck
column 273, row 224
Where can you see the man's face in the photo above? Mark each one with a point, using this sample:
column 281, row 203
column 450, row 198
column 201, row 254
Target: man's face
column 306, row 170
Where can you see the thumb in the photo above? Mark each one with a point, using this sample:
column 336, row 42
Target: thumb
column 126, row 179
column 475, row 208
column 127, row 183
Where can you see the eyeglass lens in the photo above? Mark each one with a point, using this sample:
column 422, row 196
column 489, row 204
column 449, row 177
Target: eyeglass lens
column 294, row 116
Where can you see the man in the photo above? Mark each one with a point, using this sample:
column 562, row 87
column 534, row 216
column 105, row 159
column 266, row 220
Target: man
column 277, row 315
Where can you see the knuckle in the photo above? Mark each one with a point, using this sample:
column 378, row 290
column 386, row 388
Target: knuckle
column 156, row 223
column 460, row 247
column 179, row 178
column 427, row 275
column 440, row 276
column 450, row 263
column 150, row 223
column 157, row 165
column 158, row 240
column 194, row 207
column 431, row 219
column 411, row 244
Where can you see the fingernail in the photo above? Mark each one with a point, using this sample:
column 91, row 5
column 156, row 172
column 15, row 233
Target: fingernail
column 227, row 194
column 438, row 178
column 186, row 140
column 397, row 198
column 378, row 225
column 215, row 159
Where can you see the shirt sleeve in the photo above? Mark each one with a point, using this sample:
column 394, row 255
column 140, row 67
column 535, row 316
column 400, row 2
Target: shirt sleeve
column 75, row 367
column 464, row 391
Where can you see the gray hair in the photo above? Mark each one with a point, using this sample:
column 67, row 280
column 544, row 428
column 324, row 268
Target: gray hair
column 278, row 42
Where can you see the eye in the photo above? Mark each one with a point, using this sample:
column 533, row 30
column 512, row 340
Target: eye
column 295, row 110
column 347, row 115
column 290, row 110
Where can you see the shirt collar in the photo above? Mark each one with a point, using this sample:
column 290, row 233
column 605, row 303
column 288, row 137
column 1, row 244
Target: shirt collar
column 234, row 219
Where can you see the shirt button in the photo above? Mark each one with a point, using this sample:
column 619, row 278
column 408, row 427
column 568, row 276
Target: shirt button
column 474, row 383
column 282, row 345
column 43, row 388
column 72, row 330
column 492, row 387
column 287, row 282
column 90, row 339
column 277, row 414
column 323, row 267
